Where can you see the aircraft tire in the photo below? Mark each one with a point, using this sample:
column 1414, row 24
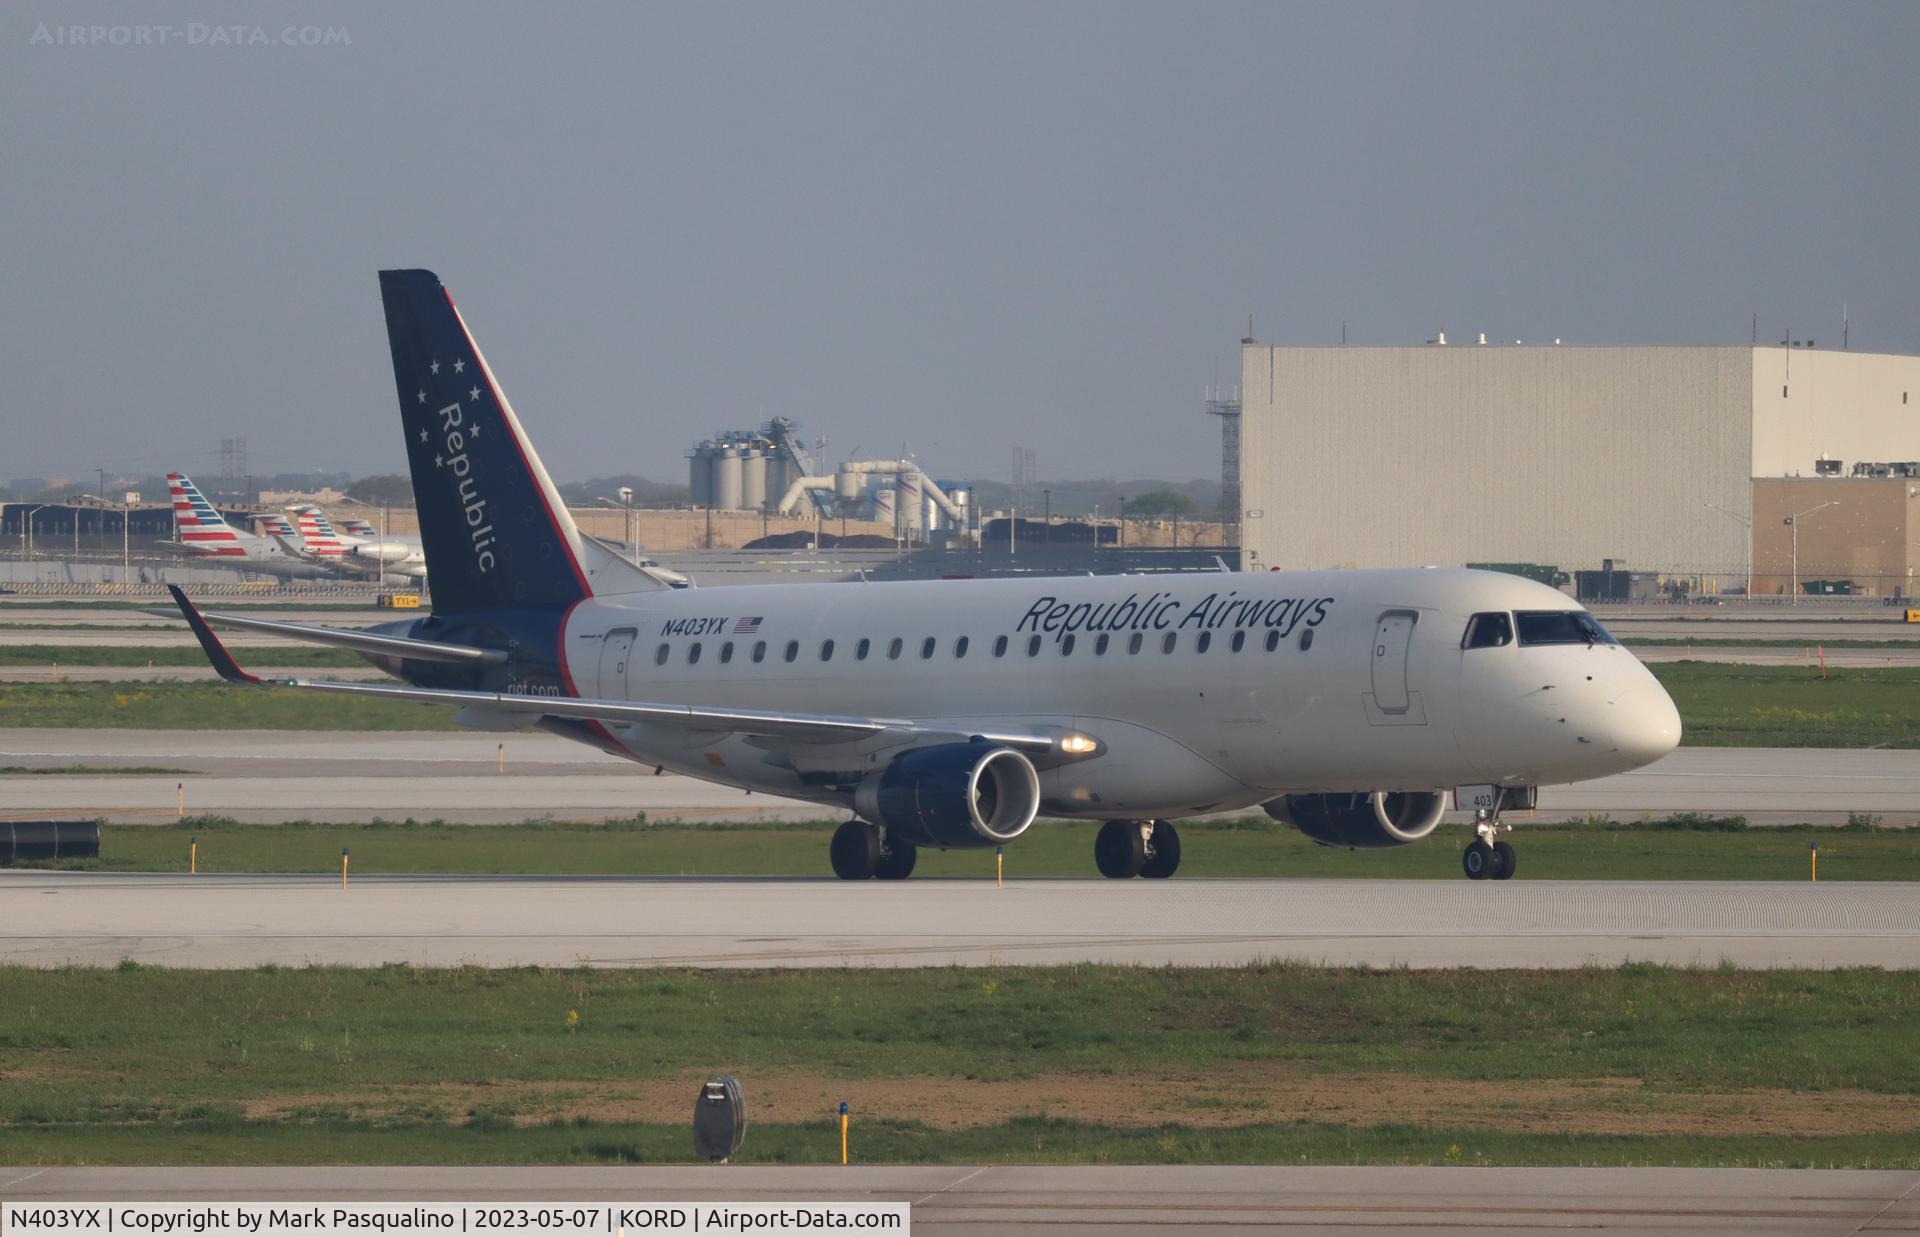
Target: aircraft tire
column 897, row 863
column 1119, row 850
column 1505, row 860
column 1165, row 858
column 855, row 850
column 1477, row 860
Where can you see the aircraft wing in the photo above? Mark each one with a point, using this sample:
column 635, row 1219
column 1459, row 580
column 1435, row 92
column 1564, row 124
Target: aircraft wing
column 805, row 727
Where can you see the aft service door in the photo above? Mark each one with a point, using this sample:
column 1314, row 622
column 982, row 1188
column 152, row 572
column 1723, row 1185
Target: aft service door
column 614, row 655
column 1392, row 640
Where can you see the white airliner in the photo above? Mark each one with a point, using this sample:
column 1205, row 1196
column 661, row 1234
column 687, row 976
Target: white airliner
column 200, row 531
column 1354, row 704
column 391, row 555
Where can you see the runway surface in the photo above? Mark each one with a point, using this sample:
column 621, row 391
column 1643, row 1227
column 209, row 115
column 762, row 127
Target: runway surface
column 976, row 1198
column 55, row 918
column 269, row 776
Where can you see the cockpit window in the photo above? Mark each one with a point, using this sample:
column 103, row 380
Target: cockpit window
column 1488, row 631
column 1560, row 627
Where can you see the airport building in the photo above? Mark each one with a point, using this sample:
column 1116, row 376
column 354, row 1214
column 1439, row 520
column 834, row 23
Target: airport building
column 1675, row 461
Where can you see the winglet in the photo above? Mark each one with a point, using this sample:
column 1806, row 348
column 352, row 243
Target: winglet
column 223, row 663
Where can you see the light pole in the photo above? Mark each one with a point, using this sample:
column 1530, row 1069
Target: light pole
column 627, row 532
column 1793, row 522
column 126, row 542
column 1746, row 522
column 26, row 528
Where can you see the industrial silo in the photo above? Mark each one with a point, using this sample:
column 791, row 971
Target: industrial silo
column 700, row 474
column 727, row 479
column 960, row 494
column 908, row 504
column 883, row 505
column 780, row 475
column 753, row 479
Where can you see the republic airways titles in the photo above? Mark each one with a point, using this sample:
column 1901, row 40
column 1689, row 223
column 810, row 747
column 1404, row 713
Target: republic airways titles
column 1161, row 611
column 480, row 533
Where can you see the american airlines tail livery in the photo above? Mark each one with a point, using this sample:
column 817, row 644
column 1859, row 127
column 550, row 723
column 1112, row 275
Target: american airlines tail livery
column 1356, row 705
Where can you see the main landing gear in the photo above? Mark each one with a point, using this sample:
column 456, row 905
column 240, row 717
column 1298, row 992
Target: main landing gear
column 1128, row 848
column 1485, row 858
column 861, row 850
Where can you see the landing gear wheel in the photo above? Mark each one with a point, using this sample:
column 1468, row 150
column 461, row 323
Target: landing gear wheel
column 1504, row 860
column 1163, row 852
column 855, row 851
column 1477, row 860
column 896, row 863
column 1119, row 850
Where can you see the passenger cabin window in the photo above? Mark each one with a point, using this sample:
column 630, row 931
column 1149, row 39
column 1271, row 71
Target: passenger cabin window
column 860, row 650
column 926, row 648
column 894, row 647
column 726, row 652
column 1000, row 646
column 693, row 653
column 1100, row 645
column 826, row 650
column 660, row 655
column 1033, row 646
column 1560, row 627
column 1066, row 645
column 1239, row 641
column 1133, row 644
column 1273, row 640
column 1306, row 639
column 759, row 650
column 1204, row 643
column 1169, row 644
column 960, row 647
column 793, row 649
column 1488, row 631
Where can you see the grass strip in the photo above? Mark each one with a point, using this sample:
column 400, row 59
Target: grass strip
column 1268, row 1063
column 1676, row 848
column 1720, row 706
column 142, row 656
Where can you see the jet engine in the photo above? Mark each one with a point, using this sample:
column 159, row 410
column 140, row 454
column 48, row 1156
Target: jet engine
column 1362, row 818
column 953, row 795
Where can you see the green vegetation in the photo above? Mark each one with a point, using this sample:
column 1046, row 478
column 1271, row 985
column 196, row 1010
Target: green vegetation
column 89, row 770
column 1263, row 1063
column 1721, row 706
column 1793, row 706
column 206, row 706
column 1679, row 848
column 1666, row 642
column 1159, row 504
column 169, row 655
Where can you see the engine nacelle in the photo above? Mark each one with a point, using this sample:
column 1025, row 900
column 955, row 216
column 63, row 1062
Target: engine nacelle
column 1360, row 818
column 953, row 795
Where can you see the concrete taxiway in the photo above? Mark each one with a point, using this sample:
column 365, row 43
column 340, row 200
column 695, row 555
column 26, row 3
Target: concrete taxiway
column 980, row 1198
column 269, row 776
column 56, row 918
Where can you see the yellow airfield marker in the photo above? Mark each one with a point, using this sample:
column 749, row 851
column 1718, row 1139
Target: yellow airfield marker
column 343, row 867
column 843, row 1131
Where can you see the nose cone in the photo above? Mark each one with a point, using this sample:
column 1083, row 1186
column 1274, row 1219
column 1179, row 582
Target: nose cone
column 1645, row 725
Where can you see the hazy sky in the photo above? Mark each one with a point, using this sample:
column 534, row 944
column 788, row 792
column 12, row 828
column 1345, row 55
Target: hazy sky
column 953, row 227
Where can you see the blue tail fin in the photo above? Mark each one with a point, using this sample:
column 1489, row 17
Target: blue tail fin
column 493, row 527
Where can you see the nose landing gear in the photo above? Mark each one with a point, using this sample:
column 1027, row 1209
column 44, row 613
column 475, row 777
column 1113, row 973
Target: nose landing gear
column 1485, row 858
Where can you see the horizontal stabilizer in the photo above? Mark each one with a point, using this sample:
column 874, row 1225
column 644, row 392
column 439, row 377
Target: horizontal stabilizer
column 358, row 641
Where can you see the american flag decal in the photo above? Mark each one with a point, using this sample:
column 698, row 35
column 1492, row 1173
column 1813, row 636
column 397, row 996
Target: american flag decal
column 747, row 626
